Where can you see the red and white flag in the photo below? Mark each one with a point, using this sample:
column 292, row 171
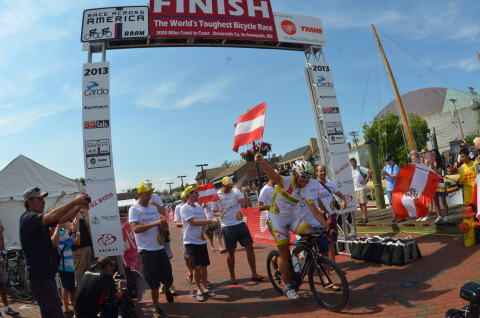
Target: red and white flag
column 415, row 187
column 207, row 193
column 249, row 126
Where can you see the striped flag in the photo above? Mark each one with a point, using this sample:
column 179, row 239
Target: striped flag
column 415, row 187
column 249, row 126
column 207, row 193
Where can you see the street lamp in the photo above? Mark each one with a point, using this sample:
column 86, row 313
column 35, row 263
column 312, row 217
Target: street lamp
column 181, row 177
column 170, row 186
column 453, row 100
column 203, row 173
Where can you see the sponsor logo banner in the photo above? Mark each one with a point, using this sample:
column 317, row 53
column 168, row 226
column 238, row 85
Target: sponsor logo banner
column 100, row 181
column 294, row 28
column 114, row 23
column 238, row 20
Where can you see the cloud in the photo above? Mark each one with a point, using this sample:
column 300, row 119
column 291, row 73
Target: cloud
column 468, row 64
column 181, row 93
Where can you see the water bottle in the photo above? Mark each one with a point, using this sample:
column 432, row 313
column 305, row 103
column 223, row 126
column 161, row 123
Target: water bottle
column 296, row 263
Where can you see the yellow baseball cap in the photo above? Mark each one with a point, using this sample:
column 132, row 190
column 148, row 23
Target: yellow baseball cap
column 189, row 189
column 227, row 181
column 145, row 186
column 182, row 195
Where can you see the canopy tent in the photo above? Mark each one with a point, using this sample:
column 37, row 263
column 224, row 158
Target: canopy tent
column 21, row 174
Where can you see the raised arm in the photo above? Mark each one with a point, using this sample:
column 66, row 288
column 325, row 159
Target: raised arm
column 140, row 228
column 55, row 214
column 268, row 169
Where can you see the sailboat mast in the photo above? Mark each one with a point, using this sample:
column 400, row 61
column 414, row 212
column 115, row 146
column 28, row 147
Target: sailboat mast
column 401, row 108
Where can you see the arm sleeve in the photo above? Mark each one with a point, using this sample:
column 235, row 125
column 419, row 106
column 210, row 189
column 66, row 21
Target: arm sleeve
column 364, row 170
column 333, row 187
column 185, row 213
column 239, row 194
column 133, row 215
column 262, row 196
column 396, row 169
column 33, row 220
column 176, row 216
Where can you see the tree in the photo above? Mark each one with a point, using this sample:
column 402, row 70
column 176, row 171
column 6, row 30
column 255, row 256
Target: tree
column 387, row 134
column 230, row 163
column 80, row 180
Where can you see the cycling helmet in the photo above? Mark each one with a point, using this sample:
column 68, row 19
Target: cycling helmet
column 303, row 168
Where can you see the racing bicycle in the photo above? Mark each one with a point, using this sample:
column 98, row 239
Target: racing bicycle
column 326, row 281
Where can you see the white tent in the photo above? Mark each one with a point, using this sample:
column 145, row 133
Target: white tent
column 21, row 174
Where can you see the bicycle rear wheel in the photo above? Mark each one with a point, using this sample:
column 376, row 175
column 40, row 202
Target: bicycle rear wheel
column 328, row 284
column 273, row 271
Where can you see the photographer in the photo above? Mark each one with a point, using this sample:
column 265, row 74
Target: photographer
column 98, row 291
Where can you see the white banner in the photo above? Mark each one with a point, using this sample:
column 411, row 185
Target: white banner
column 114, row 23
column 99, row 177
column 330, row 124
column 292, row 28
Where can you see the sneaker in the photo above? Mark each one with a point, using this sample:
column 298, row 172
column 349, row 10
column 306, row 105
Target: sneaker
column 365, row 221
column 290, row 292
column 9, row 311
column 162, row 288
column 424, row 219
column 419, row 219
column 173, row 291
column 169, row 296
column 446, row 219
column 438, row 220
column 158, row 313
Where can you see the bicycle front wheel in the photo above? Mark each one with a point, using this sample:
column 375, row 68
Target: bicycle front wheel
column 273, row 271
column 328, row 284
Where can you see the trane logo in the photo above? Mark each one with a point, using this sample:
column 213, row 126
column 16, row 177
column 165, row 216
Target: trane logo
column 311, row 30
column 94, row 89
column 252, row 8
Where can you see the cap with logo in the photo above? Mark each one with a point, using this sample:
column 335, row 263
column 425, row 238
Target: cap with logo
column 145, row 186
column 227, row 181
column 34, row 192
column 189, row 189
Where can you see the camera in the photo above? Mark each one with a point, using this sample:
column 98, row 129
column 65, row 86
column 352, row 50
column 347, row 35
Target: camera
column 471, row 293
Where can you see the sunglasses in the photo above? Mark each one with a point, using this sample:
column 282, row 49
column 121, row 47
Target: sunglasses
column 304, row 177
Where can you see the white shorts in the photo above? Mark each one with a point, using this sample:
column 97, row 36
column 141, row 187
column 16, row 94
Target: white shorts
column 308, row 216
column 280, row 225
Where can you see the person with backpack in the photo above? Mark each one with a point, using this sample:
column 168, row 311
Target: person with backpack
column 360, row 176
column 390, row 173
column 64, row 237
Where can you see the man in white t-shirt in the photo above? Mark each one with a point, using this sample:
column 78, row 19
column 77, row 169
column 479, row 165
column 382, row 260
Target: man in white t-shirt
column 266, row 196
column 145, row 222
column 177, row 218
column 360, row 177
column 234, row 228
column 194, row 240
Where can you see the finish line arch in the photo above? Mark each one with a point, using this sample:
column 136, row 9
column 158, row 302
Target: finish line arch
column 198, row 23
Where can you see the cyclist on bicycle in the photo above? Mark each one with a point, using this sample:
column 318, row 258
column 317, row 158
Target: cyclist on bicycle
column 285, row 211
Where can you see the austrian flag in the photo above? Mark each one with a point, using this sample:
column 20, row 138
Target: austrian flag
column 207, row 193
column 249, row 126
column 415, row 187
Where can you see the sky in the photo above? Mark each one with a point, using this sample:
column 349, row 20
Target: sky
column 173, row 108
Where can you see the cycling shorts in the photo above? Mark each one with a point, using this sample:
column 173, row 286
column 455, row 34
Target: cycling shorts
column 281, row 224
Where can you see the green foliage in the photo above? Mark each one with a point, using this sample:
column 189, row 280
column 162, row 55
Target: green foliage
column 469, row 139
column 230, row 163
column 80, row 180
column 386, row 133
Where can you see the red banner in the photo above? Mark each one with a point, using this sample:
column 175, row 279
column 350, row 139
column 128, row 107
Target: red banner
column 257, row 224
column 224, row 19
column 131, row 258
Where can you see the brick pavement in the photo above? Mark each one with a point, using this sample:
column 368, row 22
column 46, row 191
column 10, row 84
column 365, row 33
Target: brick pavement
column 376, row 290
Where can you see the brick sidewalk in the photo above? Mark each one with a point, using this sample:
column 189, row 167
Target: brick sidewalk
column 376, row 290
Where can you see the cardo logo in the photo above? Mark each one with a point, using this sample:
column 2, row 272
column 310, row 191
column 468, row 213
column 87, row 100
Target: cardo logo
column 94, row 89
column 322, row 82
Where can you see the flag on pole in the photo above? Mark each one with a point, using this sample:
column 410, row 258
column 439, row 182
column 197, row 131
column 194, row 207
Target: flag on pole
column 415, row 187
column 249, row 126
column 207, row 193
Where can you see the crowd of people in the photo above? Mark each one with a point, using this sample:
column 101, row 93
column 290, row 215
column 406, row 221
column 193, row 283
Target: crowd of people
column 302, row 200
column 466, row 165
